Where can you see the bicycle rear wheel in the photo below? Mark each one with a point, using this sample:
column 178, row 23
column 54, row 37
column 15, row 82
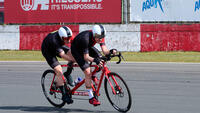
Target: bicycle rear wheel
column 50, row 90
column 117, row 92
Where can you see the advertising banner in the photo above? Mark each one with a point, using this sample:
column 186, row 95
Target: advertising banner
column 165, row 10
column 67, row 11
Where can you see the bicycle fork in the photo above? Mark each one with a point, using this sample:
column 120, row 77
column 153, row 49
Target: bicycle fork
column 114, row 88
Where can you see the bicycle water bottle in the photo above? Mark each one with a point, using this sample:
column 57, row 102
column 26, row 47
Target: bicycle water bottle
column 78, row 80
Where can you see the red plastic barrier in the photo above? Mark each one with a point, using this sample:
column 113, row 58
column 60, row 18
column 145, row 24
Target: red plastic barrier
column 170, row 37
column 31, row 37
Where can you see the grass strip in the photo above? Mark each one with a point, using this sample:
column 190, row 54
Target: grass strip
column 10, row 55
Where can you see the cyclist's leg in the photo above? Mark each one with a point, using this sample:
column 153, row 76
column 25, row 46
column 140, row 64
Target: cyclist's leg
column 85, row 67
column 60, row 83
column 88, row 84
column 54, row 64
column 67, row 74
column 59, row 78
column 71, row 59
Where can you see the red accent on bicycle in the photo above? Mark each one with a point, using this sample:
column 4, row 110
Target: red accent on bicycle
column 115, row 87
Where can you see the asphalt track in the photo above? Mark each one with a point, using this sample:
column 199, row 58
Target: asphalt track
column 155, row 88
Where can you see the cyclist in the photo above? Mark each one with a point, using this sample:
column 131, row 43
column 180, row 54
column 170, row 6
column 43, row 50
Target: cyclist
column 83, row 49
column 53, row 46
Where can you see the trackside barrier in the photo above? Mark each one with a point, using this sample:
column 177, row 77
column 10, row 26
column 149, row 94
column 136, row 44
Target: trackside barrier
column 124, row 37
column 170, row 37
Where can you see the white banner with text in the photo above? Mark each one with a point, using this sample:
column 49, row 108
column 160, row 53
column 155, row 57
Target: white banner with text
column 164, row 10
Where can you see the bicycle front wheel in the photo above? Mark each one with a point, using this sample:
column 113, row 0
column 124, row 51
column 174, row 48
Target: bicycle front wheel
column 117, row 92
column 51, row 92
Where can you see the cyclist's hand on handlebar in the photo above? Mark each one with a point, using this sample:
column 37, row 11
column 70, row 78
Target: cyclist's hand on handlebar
column 98, row 61
column 113, row 52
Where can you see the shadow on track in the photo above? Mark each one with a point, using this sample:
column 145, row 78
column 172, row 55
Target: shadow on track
column 44, row 109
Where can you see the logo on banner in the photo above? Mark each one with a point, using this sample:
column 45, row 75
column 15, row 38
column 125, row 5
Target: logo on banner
column 197, row 5
column 152, row 4
column 28, row 5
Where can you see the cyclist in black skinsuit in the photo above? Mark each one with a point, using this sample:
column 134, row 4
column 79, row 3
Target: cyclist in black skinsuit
column 54, row 46
column 83, row 51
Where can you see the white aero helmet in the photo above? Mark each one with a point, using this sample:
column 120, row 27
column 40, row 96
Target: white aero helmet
column 64, row 32
column 99, row 31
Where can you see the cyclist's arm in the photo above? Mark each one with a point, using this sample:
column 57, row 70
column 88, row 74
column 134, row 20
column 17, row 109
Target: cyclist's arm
column 105, row 50
column 64, row 56
column 88, row 58
column 91, row 59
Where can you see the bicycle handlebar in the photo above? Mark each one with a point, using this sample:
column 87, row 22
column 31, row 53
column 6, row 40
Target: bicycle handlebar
column 110, row 56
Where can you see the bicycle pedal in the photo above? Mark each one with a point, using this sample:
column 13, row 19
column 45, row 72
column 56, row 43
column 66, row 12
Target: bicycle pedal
column 70, row 102
column 51, row 92
column 67, row 99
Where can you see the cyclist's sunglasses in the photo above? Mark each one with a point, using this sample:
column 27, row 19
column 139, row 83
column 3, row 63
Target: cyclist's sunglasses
column 66, row 38
column 99, row 36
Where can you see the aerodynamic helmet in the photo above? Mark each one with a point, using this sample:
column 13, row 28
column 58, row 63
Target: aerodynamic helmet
column 99, row 31
column 64, row 32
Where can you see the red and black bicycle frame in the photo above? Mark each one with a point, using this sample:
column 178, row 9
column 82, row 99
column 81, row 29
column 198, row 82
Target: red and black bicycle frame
column 105, row 71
